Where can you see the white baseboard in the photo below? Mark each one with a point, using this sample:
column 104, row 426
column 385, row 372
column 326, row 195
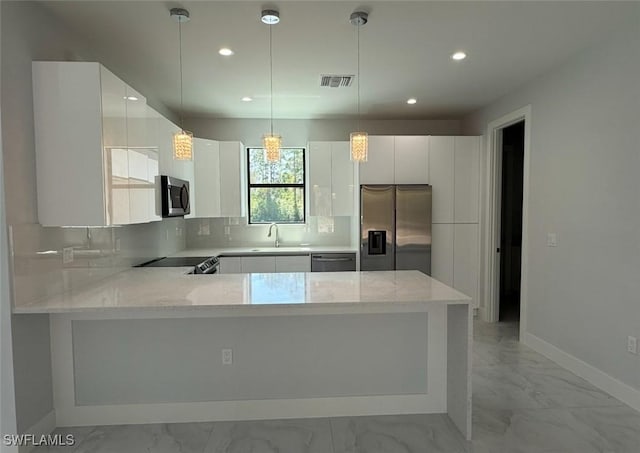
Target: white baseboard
column 45, row 426
column 248, row 410
column 600, row 379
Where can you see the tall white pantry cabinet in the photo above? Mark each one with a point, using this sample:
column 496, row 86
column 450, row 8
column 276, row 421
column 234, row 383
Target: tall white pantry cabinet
column 451, row 165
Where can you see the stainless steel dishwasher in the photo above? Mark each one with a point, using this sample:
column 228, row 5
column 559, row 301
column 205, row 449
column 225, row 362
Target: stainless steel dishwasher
column 333, row 262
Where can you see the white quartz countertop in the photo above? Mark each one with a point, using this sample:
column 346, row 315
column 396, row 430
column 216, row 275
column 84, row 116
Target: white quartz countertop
column 240, row 251
column 245, row 294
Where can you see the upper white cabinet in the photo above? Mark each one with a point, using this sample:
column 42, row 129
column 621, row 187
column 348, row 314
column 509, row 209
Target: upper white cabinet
column 466, row 169
column 233, row 188
column 441, row 159
column 411, row 159
column 206, row 160
column 396, row 160
column 88, row 172
column 219, row 182
column 331, row 179
column 454, row 172
column 379, row 168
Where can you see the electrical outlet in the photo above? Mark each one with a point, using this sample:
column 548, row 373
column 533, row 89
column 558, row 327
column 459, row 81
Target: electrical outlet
column 178, row 232
column 67, row 255
column 632, row 344
column 227, row 356
column 552, row 240
column 118, row 245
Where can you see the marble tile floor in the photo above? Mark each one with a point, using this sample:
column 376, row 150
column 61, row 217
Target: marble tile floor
column 523, row 403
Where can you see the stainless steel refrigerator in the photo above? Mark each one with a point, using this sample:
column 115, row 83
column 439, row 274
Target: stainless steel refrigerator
column 395, row 227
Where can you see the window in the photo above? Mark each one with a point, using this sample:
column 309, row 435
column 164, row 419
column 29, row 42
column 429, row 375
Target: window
column 276, row 189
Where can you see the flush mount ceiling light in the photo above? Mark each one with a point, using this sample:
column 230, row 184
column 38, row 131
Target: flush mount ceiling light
column 247, row 99
column 459, row 56
column 412, row 101
column 271, row 142
column 130, row 98
column 183, row 140
column 270, row 16
column 359, row 140
column 226, row 52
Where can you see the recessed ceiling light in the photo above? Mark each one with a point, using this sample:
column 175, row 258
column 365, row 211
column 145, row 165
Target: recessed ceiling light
column 247, row 99
column 459, row 56
column 412, row 101
column 131, row 98
column 226, row 52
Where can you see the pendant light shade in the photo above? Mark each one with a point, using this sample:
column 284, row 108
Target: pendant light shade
column 183, row 145
column 359, row 141
column 183, row 140
column 359, row 144
column 272, row 143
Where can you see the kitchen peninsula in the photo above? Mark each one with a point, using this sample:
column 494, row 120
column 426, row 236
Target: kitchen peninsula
column 151, row 345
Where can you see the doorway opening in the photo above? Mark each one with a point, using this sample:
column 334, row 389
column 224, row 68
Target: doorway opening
column 510, row 247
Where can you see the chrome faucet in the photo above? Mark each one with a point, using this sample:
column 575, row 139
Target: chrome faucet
column 277, row 241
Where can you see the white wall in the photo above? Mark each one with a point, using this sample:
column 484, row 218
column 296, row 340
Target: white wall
column 7, row 398
column 30, row 33
column 299, row 132
column 584, row 296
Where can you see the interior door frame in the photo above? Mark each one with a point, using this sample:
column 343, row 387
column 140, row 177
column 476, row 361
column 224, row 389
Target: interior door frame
column 492, row 215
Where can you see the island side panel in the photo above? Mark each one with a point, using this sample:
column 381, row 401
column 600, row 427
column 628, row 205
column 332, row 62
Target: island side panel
column 459, row 340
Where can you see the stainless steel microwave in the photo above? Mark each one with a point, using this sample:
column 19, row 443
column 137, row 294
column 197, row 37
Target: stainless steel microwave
column 175, row 197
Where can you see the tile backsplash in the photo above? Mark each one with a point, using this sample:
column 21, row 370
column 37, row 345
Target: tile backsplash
column 37, row 254
column 235, row 232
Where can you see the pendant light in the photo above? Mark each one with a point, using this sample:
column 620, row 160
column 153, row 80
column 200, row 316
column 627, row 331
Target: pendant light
column 359, row 140
column 271, row 142
column 183, row 140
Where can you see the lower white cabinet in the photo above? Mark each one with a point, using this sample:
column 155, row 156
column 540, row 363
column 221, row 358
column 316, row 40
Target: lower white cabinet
column 454, row 257
column 442, row 252
column 294, row 263
column 230, row 265
column 264, row 264
column 465, row 260
column 258, row 264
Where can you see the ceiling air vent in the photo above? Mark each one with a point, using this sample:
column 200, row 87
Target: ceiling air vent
column 336, row 81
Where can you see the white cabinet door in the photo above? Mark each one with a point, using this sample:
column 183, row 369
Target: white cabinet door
column 467, row 179
column 320, row 178
column 411, row 159
column 233, row 198
column 442, row 252
column 441, row 159
column 301, row 263
column 138, row 186
column 465, row 260
column 342, row 180
column 206, row 160
column 230, row 265
column 117, row 186
column 379, row 168
column 258, row 264
column 166, row 130
column 137, row 136
column 153, row 180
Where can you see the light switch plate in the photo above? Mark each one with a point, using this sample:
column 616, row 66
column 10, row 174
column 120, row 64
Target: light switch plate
column 632, row 344
column 552, row 240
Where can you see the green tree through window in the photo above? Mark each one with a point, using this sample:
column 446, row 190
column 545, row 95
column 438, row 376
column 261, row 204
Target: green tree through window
column 276, row 189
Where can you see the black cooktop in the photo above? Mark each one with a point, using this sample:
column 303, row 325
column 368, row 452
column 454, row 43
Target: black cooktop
column 175, row 261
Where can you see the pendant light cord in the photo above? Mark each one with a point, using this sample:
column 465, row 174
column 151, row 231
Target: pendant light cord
column 271, row 73
column 181, row 86
column 358, row 34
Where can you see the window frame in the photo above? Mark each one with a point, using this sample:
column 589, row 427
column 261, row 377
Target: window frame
column 302, row 186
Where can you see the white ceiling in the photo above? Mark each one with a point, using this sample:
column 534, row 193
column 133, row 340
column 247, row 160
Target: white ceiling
column 405, row 52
